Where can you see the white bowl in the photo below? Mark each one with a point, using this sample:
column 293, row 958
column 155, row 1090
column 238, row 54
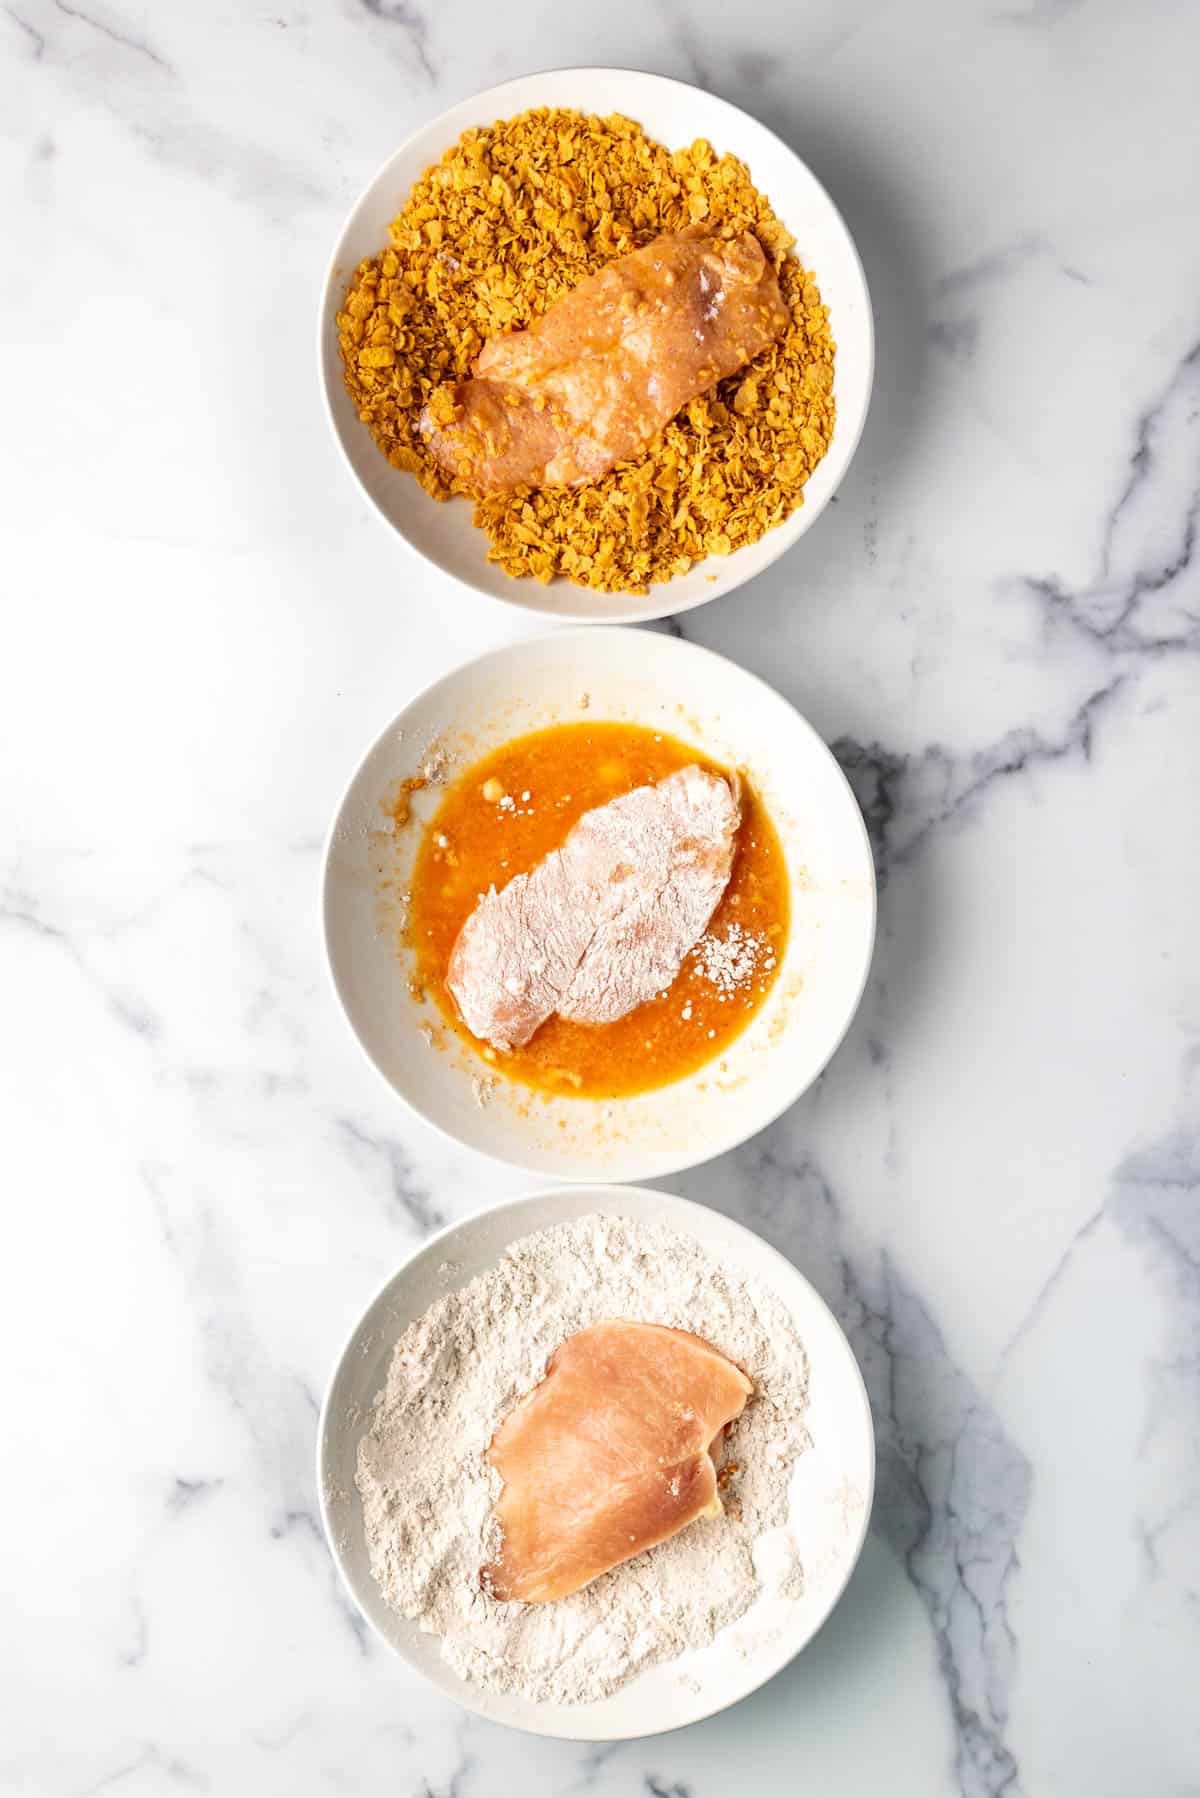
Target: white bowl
column 830, row 1495
column 666, row 684
column 674, row 114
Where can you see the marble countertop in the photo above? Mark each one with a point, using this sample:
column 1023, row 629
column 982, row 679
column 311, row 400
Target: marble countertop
column 997, row 625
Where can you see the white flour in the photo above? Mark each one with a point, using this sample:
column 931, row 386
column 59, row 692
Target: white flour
column 428, row 1492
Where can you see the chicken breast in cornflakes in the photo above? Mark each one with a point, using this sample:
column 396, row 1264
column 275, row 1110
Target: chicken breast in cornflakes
column 593, row 380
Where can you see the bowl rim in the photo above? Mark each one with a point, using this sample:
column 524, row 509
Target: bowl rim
column 778, row 540
column 611, row 1194
column 637, row 1169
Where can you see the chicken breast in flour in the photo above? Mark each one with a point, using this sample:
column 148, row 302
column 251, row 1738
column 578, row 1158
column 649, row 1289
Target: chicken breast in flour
column 602, row 924
column 609, row 1455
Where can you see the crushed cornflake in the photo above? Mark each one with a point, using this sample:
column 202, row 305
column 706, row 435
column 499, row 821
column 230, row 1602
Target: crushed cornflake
column 533, row 204
column 729, row 962
column 483, row 1086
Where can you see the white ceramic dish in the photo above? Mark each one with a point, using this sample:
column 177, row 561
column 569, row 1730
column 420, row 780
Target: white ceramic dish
column 831, row 1488
column 675, row 115
column 669, row 685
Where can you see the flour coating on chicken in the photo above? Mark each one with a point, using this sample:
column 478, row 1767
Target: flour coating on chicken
column 602, row 924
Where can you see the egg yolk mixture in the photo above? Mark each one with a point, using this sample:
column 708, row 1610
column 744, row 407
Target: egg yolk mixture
column 516, row 805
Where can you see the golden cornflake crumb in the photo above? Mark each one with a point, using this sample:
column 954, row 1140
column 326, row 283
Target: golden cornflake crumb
column 512, row 218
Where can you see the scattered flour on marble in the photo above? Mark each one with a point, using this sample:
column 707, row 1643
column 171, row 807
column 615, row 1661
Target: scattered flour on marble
column 427, row 1490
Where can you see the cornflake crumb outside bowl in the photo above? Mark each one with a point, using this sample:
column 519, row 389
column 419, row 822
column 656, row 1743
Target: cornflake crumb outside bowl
column 661, row 683
column 830, row 1497
column 674, row 114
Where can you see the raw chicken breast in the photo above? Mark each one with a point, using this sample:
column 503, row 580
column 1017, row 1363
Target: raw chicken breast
column 609, row 1455
column 602, row 924
column 592, row 380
